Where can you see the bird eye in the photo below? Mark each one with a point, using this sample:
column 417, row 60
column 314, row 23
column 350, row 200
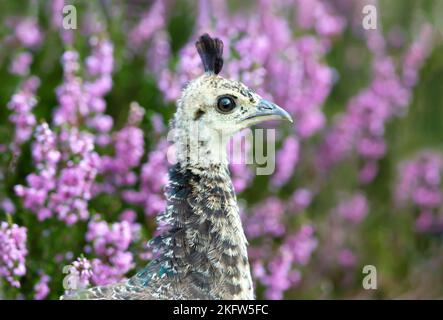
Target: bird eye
column 225, row 104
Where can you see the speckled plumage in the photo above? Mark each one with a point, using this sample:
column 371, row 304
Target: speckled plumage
column 202, row 251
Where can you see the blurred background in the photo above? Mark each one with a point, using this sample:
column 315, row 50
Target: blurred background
column 83, row 124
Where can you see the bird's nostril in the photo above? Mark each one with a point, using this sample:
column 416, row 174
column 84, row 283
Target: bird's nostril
column 265, row 105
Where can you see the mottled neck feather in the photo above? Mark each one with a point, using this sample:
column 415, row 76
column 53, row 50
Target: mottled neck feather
column 197, row 146
column 204, row 246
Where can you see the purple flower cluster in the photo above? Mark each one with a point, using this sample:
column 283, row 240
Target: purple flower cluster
column 151, row 30
column 72, row 102
column 419, row 184
column 66, row 162
column 7, row 206
column 41, row 288
column 266, row 219
column 12, row 252
column 362, row 126
column 286, row 161
column 354, row 208
column 67, row 165
column 339, row 230
column 153, row 177
column 110, row 244
column 22, row 103
column 82, row 101
column 27, row 32
column 21, row 63
column 128, row 150
column 416, row 56
column 152, row 22
column 79, row 274
column 46, row 158
column 300, row 199
column 99, row 67
column 282, row 271
column 320, row 16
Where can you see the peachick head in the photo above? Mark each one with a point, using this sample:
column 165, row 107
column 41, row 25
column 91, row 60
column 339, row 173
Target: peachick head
column 217, row 107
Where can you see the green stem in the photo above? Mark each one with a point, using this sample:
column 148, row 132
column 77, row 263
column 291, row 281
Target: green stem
column 9, row 219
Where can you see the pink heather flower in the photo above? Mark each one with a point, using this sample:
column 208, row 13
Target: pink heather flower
column 424, row 221
column 57, row 13
column 354, row 208
column 83, row 99
column 61, row 186
column 416, row 55
column 419, row 184
column 110, row 243
column 302, row 244
column 74, row 185
column 152, row 22
column 71, row 100
column 153, row 176
column 300, row 199
column 20, row 64
column 266, row 218
column 12, row 252
column 7, row 206
column 101, row 59
column 158, row 53
column 318, row 15
column 80, row 274
column 21, row 105
column 46, row 158
column 130, row 216
column 282, row 272
column 396, row 37
column 361, row 127
column 347, row 258
column 368, row 172
column 41, row 288
column 84, row 270
column 128, row 151
column 107, row 240
column 279, row 279
column 419, row 180
column 286, row 160
column 136, row 114
column 28, row 32
column 157, row 123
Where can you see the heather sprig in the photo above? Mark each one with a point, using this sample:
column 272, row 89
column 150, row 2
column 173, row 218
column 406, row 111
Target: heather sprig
column 66, row 168
column 109, row 243
column 13, row 252
column 419, row 185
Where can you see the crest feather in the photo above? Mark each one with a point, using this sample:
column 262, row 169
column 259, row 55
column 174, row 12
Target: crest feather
column 211, row 53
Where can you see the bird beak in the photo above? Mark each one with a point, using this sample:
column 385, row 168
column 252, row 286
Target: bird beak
column 266, row 110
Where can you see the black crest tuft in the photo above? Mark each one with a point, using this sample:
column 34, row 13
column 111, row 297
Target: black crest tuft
column 211, row 53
